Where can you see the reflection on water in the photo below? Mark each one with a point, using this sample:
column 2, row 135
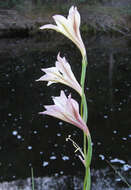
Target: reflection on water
column 29, row 139
column 101, row 179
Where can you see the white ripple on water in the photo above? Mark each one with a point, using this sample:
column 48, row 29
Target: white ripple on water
column 116, row 160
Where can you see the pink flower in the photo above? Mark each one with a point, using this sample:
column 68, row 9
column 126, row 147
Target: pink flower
column 61, row 73
column 70, row 27
column 66, row 109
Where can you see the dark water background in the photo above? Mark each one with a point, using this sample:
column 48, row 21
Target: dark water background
column 29, row 139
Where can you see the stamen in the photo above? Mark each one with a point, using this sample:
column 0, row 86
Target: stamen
column 77, row 148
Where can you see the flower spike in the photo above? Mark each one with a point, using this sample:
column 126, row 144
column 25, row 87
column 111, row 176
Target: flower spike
column 66, row 109
column 61, row 73
column 70, row 27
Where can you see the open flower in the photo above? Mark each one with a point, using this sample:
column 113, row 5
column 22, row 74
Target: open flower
column 61, row 73
column 66, row 109
column 70, row 27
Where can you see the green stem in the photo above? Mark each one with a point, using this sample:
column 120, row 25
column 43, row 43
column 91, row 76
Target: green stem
column 87, row 180
column 88, row 157
column 84, row 114
column 32, row 177
column 84, row 111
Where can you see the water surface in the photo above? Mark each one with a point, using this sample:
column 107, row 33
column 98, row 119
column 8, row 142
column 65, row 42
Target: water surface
column 28, row 139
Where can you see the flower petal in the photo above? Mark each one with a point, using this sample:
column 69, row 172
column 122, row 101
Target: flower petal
column 50, row 26
column 74, row 17
column 64, row 67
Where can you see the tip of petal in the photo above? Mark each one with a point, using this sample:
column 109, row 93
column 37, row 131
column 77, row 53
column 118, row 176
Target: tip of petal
column 69, row 96
column 37, row 80
column 72, row 8
column 49, row 26
column 41, row 113
column 43, row 70
column 62, row 93
column 58, row 55
column 59, row 58
column 42, row 27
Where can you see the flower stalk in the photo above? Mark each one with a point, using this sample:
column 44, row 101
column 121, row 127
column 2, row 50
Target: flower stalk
column 66, row 108
column 84, row 115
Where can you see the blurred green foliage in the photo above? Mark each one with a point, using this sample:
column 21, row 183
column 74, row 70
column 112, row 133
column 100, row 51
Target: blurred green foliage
column 9, row 3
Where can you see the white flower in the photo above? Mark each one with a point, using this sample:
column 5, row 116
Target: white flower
column 61, row 73
column 66, row 109
column 70, row 27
